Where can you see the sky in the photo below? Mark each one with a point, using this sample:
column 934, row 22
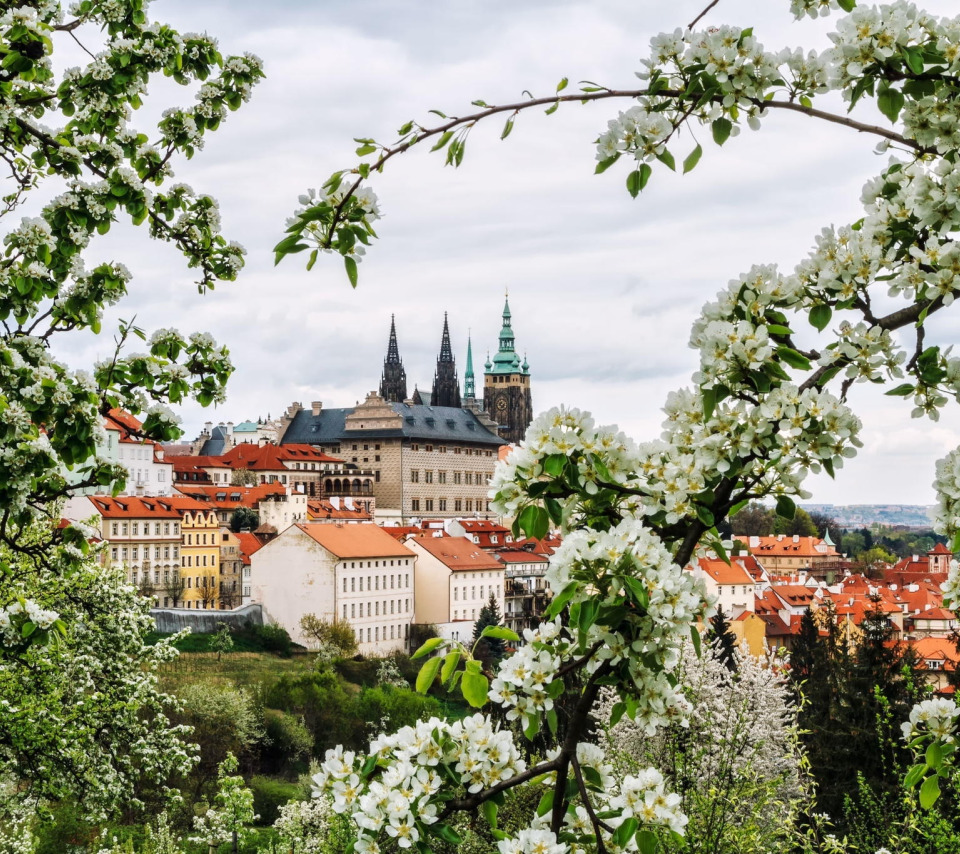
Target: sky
column 603, row 288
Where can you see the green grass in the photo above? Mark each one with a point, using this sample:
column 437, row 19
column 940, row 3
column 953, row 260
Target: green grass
column 198, row 642
column 244, row 669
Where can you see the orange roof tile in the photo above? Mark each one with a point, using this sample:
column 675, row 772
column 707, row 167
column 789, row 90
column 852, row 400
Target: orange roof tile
column 361, row 541
column 458, row 553
column 725, row 573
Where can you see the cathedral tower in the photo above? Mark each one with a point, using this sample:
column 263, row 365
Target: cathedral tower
column 446, row 386
column 506, row 385
column 393, row 380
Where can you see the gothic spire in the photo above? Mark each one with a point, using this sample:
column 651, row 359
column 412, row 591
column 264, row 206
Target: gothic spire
column 393, row 380
column 446, row 386
column 469, row 387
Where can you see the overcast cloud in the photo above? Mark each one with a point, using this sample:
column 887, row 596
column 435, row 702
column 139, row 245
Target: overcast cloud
column 603, row 288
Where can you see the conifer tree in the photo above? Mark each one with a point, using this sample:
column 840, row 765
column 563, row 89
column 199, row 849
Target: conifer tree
column 723, row 640
column 489, row 616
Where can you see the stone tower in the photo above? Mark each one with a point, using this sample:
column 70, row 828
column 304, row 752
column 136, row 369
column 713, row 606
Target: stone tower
column 393, row 380
column 446, row 386
column 506, row 385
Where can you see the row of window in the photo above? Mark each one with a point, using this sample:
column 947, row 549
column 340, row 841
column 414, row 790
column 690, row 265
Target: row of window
column 442, row 449
column 373, row 608
column 133, row 528
column 377, row 634
column 358, row 564
column 201, row 539
column 459, row 505
column 201, row 560
column 485, row 592
column 468, row 478
column 133, row 553
column 356, row 583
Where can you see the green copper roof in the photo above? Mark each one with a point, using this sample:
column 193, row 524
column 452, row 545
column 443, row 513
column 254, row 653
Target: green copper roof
column 506, row 360
column 469, row 387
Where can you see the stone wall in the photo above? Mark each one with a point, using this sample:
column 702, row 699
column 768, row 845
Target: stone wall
column 206, row 622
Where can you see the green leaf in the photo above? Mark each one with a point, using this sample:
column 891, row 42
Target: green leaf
column 546, row 803
column 427, row 674
column 721, row 129
column 507, row 128
column 647, row 842
column 489, row 810
column 666, row 158
column 450, row 662
column 623, row 834
column 444, row 139
column 428, row 647
column 934, row 755
column 692, row 159
column 604, row 165
column 786, row 508
column 534, row 521
column 705, row 515
column 562, row 84
column 561, row 599
column 890, row 102
column 903, row 390
column 500, row 632
column 552, row 108
column 552, row 721
column 447, row 834
column 820, row 316
column 913, row 58
column 847, row 5
column 695, row 637
column 363, row 150
column 914, row 776
column 793, row 358
column 929, row 792
column 474, row 686
column 637, row 179
column 709, row 398
column 351, row 267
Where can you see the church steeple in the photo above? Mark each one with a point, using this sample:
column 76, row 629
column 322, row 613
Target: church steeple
column 393, row 380
column 506, row 384
column 469, row 386
column 446, row 386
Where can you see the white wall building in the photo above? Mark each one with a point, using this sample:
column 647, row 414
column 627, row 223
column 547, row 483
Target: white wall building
column 356, row 573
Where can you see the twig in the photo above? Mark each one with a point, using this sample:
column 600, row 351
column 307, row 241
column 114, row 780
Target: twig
column 694, row 22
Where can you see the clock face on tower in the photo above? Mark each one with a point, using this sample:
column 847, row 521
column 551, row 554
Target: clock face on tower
column 502, row 405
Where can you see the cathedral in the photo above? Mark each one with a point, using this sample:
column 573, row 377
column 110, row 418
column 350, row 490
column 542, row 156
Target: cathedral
column 506, row 381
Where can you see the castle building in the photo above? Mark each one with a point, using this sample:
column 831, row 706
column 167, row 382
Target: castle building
column 506, row 385
column 393, row 380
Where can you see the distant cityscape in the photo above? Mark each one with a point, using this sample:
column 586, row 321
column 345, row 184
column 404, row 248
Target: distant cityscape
column 867, row 515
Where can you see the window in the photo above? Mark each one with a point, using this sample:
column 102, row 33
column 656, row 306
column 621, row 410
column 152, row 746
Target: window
column 166, row 527
column 414, row 476
column 344, row 584
column 344, row 610
column 113, row 552
column 428, row 477
column 115, row 529
column 136, row 553
column 469, row 507
column 353, row 609
column 456, row 594
column 441, row 478
column 428, row 448
column 125, row 529
column 468, row 478
column 428, row 505
column 377, row 608
column 415, row 504
column 136, row 529
column 392, row 603
column 457, row 477
column 376, row 582
column 156, row 528
column 457, row 505
column 352, row 583
column 443, row 504
column 414, row 447
column 376, row 633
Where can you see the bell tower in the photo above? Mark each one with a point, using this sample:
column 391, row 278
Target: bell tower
column 393, row 380
column 506, row 385
column 446, row 386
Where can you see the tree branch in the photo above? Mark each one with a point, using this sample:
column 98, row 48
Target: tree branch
column 696, row 20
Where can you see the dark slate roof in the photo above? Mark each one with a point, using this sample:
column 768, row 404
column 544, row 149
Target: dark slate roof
column 423, row 423
column 215, row 445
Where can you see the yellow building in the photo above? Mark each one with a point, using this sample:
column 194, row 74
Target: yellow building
column 199, row 553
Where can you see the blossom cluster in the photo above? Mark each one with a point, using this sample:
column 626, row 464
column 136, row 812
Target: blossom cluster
column 936, row 718
column 395, row 794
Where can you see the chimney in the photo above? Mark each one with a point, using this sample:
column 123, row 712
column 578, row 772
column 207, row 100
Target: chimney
column 230, row 427
column 207, row 427
column 754, row 542
column 315, row 407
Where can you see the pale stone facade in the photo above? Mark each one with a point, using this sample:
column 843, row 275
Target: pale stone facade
column 356, row 573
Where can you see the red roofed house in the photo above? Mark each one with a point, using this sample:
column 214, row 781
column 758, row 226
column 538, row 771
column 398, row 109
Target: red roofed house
column 275, row 504
column 356, row 573
column 784, row 555
column 933, row 623
column 729, row 583
column 337, row 509
column 933, row 566
column 455, row 578
column 938, row 657
column 484, row 532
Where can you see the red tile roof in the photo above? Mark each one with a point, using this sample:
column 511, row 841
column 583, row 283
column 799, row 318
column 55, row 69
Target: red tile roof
column 135, row 507
column 458, row 553
column 725, row 573
column 230, row 497
column 360, row 541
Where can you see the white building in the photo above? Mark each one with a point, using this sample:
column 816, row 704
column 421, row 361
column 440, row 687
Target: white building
column 356, row 573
